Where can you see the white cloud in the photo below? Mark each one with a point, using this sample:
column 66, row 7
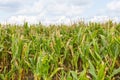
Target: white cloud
column 74, row 2
column 57, row 7
column 13, row 1
column 22, row 19
column 110, row 10
column 13, row 5
column 57, row 19
column 48, row 11
column 37, row 19
column 9, row 1
column 114, row 5
column 103, row 19
column 54, row 11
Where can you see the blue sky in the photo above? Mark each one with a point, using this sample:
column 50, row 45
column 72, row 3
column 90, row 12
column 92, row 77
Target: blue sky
column 58, row 11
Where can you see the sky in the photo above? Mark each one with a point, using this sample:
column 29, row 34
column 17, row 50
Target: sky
column 58, row 11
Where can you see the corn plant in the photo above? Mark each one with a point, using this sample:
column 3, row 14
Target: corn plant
column 80, row 51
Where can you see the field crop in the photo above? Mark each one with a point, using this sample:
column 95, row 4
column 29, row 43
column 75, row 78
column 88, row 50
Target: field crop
column 79, row 51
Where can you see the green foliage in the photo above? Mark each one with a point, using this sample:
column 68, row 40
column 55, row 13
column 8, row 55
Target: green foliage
column 60, row 52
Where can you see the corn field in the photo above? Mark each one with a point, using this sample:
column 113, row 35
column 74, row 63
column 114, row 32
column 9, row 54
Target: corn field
column 80, row 51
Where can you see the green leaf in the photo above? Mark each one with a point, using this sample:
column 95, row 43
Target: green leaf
column 74, row 74
column 83, row 75
column 92, row 70
column 101, row 72
column 2, row 77
column 115, row 71
column 54, row 72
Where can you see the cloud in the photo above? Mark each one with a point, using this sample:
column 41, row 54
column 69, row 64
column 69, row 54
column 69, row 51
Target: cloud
column 75, row 2
column 114, row 5
column 37, row 19
column 22, row 19
column 110, row 9
column 103, row 19
column 15, row 1
column 56, row 7
column 12, row 5
column 47, row 11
